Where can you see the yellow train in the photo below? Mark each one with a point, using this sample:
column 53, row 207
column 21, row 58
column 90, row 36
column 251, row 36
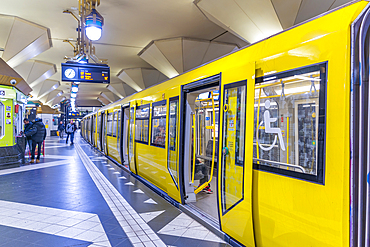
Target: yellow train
column 279, row 131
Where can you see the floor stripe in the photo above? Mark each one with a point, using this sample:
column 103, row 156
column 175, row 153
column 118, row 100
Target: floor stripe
column 33, row 167
column 59, row 222
column 137, row 230
column 184, row 226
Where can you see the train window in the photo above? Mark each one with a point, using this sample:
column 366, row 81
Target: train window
column 142, row 124
column 94, row 124
column 159, row 112
column 2, row 120
column 233, row 144
column 110, row 124
column 289, row 123
column 172, row 138
column 115, row 124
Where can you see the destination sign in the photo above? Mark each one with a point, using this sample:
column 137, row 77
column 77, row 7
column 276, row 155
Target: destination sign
column 75, row 72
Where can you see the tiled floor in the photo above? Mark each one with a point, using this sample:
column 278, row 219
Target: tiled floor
column 76, row 197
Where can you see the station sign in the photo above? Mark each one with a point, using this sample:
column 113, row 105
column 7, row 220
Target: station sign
column 93, row 73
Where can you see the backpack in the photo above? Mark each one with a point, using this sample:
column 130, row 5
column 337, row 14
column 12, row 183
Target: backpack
column 70, row 128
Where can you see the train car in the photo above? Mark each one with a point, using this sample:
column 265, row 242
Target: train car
column 269, row 143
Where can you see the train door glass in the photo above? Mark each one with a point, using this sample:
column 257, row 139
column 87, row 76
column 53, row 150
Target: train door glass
column 202, row 163
column 2, row 120
column 132, row 140
column 99, row 133
column 173, row 139
column 104, row 146
column 125, row 124
column 233, row 136
column 93, row 131
column 94, row 128
column 119, row 132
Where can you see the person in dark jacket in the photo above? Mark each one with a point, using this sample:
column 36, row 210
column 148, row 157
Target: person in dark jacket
column 61, row 129
column 27, row 128
column 70, row 130
column 37, row 139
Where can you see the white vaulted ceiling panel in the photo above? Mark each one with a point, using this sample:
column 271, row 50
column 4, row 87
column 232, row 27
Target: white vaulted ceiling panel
column 312, row 8
column 195, row 53
column 34, row 71
column 47, row 99
column 338, row 3
column 252, row 20
column 111, row 97
column 152, row 77
column 6, row 23
column 183, row 54
column 154, row 56
column 103, row 100
column 117, row 89
column 172, row 50
column 133, row 78
column 217, row 50
column 24, row 41
column 47, row 86
column 287, row 11
column 141, row 78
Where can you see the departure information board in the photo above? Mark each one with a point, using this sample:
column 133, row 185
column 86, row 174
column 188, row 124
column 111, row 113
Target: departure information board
column 95, row 73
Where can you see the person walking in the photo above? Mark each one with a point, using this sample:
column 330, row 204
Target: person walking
column 28, row 133
column 61, row 129
column 37, row 139
column 70, row 130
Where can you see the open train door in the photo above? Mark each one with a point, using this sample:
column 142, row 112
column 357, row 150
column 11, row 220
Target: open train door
column 131, row 142
column 104, row 132
column 123, row 134
column 235, row 176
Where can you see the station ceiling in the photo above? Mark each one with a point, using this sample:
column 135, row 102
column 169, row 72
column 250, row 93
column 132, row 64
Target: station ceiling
column 32, row 34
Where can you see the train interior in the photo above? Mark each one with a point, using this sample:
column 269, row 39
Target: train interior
column 201, row 144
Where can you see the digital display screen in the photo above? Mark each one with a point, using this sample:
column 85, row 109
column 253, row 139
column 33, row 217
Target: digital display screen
column 95, row 73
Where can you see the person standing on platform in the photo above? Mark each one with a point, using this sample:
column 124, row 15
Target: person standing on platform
column 28, row 133
column 61, row 129
column 70, row 130
column 37, row 139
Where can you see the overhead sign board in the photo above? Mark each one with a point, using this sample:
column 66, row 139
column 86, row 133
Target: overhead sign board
column 95, row 73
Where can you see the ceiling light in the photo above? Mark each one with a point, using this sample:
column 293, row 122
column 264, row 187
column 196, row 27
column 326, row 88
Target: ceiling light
column 74, row 89
column 94, row 24
column 73, row 95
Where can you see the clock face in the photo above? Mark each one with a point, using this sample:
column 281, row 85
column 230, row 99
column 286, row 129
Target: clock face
column 69, row 73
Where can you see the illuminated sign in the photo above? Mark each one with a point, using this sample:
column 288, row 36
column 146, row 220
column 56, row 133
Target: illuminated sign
column 75, row 72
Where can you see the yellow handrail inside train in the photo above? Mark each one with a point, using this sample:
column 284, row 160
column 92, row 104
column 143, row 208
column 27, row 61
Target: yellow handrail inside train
column 258, row 120
column 194, row 149
column 287, row 141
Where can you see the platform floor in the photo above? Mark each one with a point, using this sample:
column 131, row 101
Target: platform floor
column 76, row 197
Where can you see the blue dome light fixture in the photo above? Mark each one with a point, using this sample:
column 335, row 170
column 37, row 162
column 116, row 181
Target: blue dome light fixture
column 94, row 23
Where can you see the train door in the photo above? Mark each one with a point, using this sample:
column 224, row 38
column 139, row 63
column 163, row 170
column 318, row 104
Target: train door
column 124, row 125
column 99, row 130
column 200, row 143
column 92, row 130
column 131, row 145
column 104, row 132
column 235, row 171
